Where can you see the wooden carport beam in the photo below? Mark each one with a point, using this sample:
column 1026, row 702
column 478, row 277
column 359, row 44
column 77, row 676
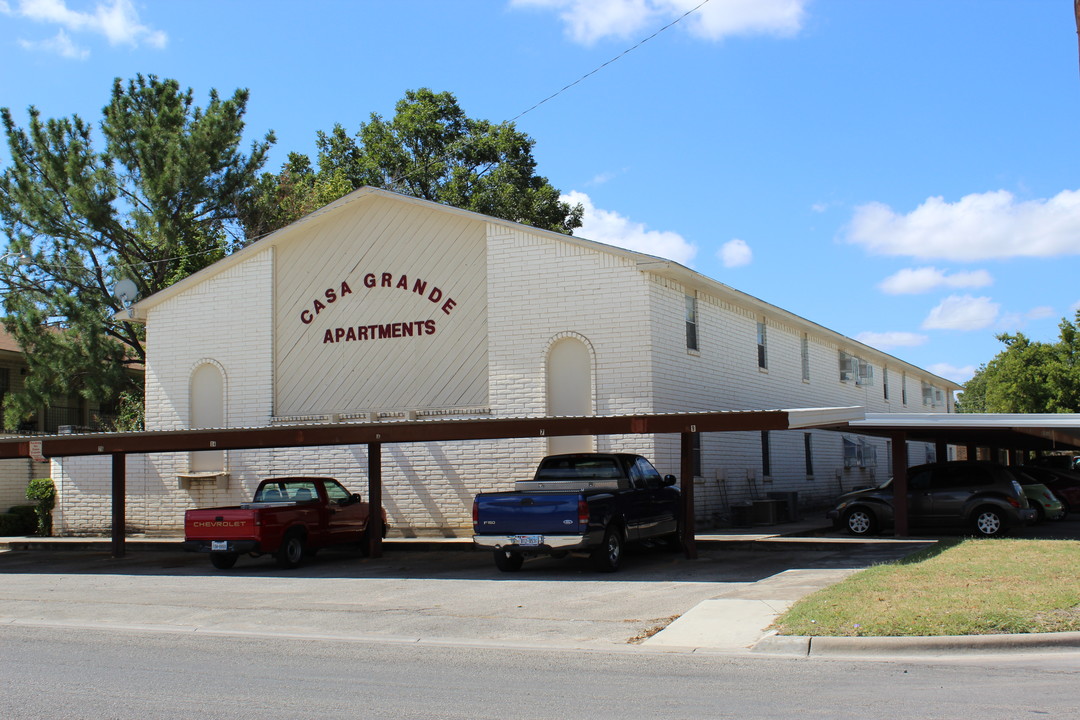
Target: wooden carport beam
column 375, row 520
column 119, row 503
column 686, row 479
column 900, row 483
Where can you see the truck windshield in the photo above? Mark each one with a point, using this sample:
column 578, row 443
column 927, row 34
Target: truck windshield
column 574, row 468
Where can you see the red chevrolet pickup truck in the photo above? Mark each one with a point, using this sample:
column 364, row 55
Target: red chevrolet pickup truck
column 289, row 518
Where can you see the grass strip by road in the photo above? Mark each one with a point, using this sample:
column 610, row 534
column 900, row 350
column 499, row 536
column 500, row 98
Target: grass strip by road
column 971, row 587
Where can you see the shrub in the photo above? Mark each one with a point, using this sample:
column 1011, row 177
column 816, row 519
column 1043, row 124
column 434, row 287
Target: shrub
column 43, row 492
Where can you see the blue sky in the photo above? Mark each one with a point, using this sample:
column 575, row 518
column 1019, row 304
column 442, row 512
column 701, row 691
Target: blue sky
column 904, row 173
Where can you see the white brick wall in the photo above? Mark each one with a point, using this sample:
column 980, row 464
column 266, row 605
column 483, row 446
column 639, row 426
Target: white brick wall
column 538, row 289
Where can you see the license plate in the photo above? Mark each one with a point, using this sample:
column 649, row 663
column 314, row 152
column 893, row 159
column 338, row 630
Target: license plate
column 528, row 540
column 219, row 544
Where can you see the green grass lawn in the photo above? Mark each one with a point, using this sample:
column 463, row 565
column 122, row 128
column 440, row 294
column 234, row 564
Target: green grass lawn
column 972, row 587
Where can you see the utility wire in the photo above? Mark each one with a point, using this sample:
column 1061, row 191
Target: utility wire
column 614, row 59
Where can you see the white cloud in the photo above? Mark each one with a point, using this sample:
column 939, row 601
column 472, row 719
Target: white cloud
column 962, row 312
column 889, row 340
column 1038, row 313
column 607, row 226
column 735, row 253
column 959, row 375
column 60, row 45
column 116, row 20
column 910, row 281
column 588, row 21
column 977, row 227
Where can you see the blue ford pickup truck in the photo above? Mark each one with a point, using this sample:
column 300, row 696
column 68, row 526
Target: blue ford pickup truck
column 586, row 503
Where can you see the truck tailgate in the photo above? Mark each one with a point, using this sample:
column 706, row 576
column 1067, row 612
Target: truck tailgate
column 532, row 513
column 219, row 524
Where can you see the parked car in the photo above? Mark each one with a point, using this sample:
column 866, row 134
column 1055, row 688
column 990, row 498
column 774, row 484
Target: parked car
column 982, row 497
column 289, row 518
column 1040, row 498
column 584, row 503
column 1063, row 483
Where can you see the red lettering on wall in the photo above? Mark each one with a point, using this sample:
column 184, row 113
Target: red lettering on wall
column 387, row 280
column 369, row 280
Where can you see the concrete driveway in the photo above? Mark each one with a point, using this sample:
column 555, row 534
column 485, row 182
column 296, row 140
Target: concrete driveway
column 443, row 594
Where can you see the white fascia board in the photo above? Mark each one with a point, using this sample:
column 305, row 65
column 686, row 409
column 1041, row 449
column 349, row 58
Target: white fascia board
column 1003, row 421
column 823, row 417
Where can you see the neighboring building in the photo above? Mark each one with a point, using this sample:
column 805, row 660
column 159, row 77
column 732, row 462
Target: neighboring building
column 64, row 414
column 386, row 307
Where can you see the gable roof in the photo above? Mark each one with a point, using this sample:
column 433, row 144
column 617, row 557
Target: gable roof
column 661, row 267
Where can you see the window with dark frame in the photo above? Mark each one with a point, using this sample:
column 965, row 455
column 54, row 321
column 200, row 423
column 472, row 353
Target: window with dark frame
column 762, row 353
column 691, row 323
column 805, row 358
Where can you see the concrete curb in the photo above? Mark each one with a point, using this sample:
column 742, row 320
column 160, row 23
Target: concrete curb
column 799, row 645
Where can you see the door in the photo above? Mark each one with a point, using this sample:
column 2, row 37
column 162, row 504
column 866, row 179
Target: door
column 346, row 516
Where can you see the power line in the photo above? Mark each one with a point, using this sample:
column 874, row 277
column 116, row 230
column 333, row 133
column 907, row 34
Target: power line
column 614, row 59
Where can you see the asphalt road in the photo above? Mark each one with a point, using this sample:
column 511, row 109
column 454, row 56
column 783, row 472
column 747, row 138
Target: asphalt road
column 90, row 674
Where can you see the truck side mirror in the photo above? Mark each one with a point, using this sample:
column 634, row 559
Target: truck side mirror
column 669, row 480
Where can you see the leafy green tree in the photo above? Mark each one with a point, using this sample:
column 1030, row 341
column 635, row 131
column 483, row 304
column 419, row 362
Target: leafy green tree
column 430, row 149
column 155, row 204
column 1028, row 377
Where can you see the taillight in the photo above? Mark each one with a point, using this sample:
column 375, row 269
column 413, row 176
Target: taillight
column 476, row 516
column 1014, row 502
column 582, row 512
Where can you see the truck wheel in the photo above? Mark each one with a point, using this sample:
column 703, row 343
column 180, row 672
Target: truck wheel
column 223, row 560
column 291, row 552
column 508, row 561
column 606, row 557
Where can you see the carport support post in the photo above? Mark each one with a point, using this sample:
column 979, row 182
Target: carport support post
column 375, row 520
column 900, row 483
column 686, row 479
column 119, row 507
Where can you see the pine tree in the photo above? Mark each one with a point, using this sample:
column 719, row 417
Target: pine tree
column 155, row 204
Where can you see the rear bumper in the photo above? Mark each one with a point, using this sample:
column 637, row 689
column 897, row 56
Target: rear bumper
column 231, row 546
column 547, row 543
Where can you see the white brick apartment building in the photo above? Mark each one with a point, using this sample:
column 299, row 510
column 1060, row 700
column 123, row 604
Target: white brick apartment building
column 382, row 306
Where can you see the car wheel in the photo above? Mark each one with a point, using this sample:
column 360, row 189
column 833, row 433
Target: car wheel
column 989, row 522
column 508, row 561
column 606, row 558
column 860, row 521
column 1040, row 514
column 223, row 560
column 291, row 552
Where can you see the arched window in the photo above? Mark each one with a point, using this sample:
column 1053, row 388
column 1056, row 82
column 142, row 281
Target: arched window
column 207, row 411
column 570, row 390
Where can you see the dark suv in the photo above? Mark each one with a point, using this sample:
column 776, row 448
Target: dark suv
column 980, row 496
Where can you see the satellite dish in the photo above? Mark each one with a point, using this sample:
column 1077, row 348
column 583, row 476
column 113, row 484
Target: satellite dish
column 126, row 290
